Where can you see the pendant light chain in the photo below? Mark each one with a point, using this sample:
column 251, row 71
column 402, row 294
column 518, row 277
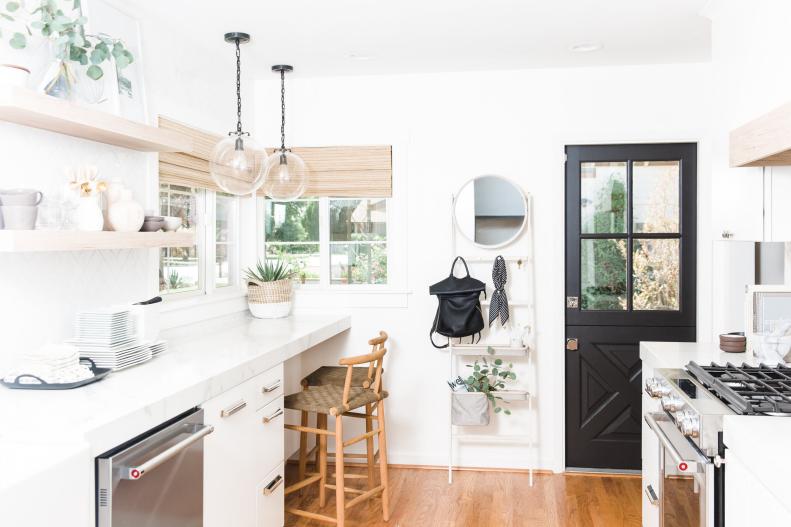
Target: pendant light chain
column 282, row 110
column 238, row 89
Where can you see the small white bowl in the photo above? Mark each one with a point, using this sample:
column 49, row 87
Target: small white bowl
column 172, row 223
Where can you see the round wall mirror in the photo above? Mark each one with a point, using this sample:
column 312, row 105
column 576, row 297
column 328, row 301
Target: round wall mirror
column 490, row 211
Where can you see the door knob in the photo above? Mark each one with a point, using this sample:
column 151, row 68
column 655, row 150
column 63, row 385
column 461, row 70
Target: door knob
column 572, row 344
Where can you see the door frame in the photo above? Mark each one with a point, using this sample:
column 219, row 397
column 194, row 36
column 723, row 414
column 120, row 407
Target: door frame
column 560, row 142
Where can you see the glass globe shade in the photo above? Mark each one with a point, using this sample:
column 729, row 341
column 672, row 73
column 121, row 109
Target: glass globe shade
column 286, row 176
column 237, row 165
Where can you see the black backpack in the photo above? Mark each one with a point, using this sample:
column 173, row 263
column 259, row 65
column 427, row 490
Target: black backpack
column 459, row 309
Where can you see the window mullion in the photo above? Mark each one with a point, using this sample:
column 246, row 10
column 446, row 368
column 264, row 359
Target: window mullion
column 209, row 241
column 324, row 241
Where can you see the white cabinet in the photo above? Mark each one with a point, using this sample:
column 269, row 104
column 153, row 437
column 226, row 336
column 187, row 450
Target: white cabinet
column 752, row 204
column 737, row 201
column 650, row 455
column 747, row 500
column 778, row 191
column 247, row 444
column 269, row 498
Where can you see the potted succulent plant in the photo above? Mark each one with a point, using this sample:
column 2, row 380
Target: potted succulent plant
column 471, row 407
column 269, row 288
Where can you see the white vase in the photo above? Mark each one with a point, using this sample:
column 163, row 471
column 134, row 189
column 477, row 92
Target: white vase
column 125, row 214
column 88, row 214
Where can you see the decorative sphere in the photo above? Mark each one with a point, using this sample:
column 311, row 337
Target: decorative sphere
column 237, row 165
column 286, row 176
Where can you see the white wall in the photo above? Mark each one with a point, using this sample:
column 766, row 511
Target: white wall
column 446, row 128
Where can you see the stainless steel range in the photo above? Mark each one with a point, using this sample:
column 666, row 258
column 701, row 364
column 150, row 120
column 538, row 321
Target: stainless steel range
column 690, row 432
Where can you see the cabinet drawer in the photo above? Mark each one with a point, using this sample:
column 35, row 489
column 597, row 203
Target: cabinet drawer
column 266, row 387
column 270, row 499
column 270, row 435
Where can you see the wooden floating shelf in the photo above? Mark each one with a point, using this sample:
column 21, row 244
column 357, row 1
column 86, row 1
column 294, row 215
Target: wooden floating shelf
column 28, row 108
column 40, row 241
column 765, row 141
column 479, row 349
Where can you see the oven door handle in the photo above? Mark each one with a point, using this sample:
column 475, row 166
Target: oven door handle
column 138, row 471
column 685, row 465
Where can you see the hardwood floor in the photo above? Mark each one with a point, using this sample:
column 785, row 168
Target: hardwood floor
column 420, row 497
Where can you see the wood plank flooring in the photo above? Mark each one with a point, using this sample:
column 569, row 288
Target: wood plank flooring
column 420, row 497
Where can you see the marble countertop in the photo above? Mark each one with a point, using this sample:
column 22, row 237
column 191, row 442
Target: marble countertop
column 203, row 361
column 679, row 354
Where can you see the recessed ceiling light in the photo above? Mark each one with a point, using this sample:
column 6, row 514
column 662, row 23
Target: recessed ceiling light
column 586, row 47
column 355, row 56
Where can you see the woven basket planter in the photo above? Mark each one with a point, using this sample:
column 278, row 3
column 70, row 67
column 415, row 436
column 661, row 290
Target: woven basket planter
column 269, row 299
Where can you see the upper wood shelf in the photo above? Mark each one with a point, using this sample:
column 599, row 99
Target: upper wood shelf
column 765, row 141
column 28, row 108
column 39, row 241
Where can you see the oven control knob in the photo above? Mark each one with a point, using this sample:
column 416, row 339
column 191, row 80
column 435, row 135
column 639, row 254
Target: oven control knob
column 690, row 426
column 656, row 388
column 671, row 403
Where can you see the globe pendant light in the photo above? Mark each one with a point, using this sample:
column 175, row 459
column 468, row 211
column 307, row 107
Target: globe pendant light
column 237, row 162
column 286, row 176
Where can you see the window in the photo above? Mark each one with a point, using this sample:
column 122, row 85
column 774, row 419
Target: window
column 330, row 241
column 213, row 262
column 179, row 267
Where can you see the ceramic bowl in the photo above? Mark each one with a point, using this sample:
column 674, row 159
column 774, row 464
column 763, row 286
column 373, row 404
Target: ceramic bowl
column 152, row 225
column 172, row 223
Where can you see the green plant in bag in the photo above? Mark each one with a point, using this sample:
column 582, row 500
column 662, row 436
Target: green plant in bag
column 489, row 377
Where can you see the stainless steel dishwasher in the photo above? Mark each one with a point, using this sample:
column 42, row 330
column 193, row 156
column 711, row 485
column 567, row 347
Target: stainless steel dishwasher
column 156, row 479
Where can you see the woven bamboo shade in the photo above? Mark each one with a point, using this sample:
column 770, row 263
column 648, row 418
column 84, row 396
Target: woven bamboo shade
column 336, row 171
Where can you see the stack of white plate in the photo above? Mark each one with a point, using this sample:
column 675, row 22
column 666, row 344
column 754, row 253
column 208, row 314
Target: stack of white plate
column 108, row 337
column 159, row 347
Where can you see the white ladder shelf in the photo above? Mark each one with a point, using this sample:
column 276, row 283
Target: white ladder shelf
column 513, row 263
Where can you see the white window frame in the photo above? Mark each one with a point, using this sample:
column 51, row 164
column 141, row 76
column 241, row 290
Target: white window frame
column 324, row 248
column 206, row 244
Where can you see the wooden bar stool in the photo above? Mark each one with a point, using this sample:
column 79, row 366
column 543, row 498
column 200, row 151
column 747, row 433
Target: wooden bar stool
column 336, row 376
column 339, row 401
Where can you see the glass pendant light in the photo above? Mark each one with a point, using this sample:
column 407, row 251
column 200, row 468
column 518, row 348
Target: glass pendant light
column 286, row 176
column 237, row 162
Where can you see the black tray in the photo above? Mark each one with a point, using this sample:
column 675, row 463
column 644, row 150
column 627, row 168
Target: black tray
column 98, row 375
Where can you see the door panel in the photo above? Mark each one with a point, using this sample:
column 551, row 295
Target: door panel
column 604, row 406
column 630, row 277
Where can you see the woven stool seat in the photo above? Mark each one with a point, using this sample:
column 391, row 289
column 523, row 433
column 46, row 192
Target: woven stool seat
column 336, row 376
column 328, row 399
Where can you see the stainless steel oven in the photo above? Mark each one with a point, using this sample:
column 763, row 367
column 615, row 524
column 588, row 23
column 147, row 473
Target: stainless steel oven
column 686, row 491
column 155, row 479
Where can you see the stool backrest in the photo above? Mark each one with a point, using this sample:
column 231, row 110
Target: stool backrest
column 375, row 361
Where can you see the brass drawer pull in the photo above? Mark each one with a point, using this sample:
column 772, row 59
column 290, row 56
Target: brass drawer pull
column 274, row 416
column 233, row 409
column 272, row 387
column 274, row 484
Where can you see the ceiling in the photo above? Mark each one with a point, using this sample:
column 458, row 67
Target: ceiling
column 356, row 37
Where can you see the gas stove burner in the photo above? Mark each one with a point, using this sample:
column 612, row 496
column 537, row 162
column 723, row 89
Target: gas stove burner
column 748, row 390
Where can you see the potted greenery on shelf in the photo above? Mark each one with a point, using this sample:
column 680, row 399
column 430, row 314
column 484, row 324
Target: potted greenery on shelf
column 269, row 288
column 487, row 378
column 77, row 56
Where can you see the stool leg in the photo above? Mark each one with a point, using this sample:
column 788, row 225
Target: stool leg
column 321, row 422
column 380, row 416
column 303, row 449
column 369, row 445
column 340, row 505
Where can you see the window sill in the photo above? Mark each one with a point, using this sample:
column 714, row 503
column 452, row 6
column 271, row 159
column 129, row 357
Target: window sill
column 332, row 297
column 197, row 308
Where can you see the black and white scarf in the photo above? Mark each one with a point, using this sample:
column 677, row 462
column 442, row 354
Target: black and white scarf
column 499, row 303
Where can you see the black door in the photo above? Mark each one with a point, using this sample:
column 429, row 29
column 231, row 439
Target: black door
column 630, row 276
